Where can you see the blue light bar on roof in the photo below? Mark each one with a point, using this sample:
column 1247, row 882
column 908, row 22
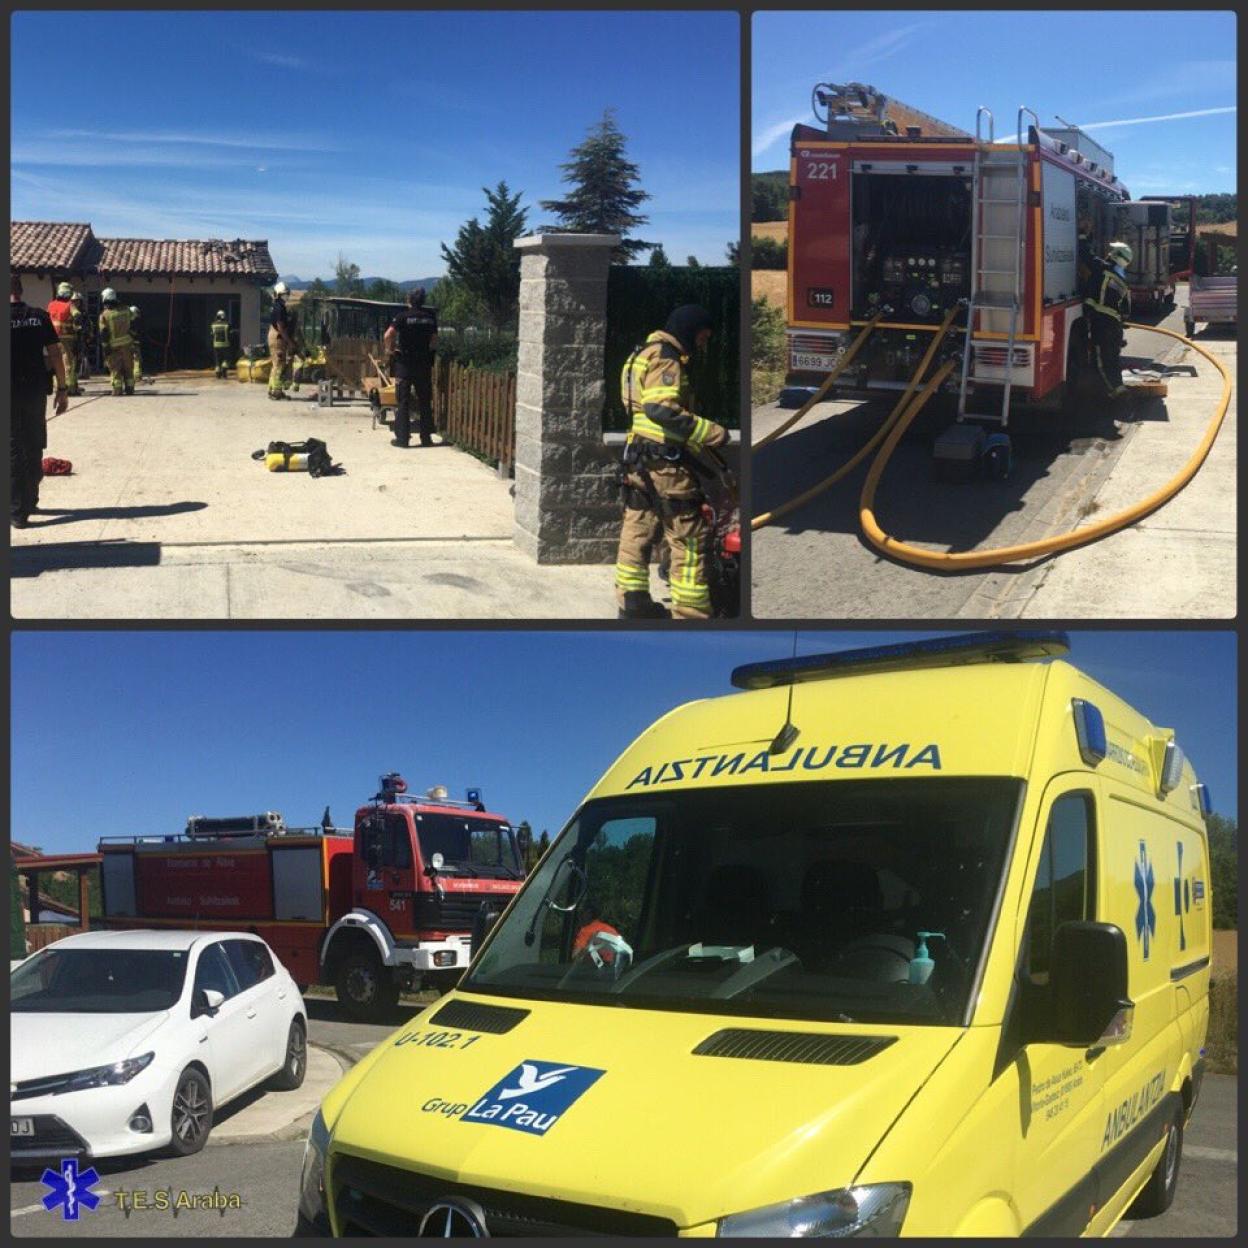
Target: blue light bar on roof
column 961, row 648
column 1090, row 731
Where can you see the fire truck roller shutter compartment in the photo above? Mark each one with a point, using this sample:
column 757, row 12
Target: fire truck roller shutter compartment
column 912, row 239
column 117, row 878
column 297, row 887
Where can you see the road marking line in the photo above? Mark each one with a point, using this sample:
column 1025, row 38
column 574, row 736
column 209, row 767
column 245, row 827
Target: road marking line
column 1210, row 1154
column 25, row 1209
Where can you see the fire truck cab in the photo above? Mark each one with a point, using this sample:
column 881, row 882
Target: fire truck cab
column 896, row 216
column 389, row 905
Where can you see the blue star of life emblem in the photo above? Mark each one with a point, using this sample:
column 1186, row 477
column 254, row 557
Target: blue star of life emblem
column 1145, row 914
column 69, row 1189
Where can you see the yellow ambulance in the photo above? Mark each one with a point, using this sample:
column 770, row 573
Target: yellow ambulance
column 912, row 940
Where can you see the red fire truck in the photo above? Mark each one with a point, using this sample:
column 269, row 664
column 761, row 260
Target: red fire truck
column 389, row 906
column 903, row 221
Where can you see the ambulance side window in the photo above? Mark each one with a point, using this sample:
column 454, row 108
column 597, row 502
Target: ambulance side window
column 1064, row 888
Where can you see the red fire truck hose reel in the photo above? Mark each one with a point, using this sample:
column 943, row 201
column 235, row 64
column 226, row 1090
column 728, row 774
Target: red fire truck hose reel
column 896, row 426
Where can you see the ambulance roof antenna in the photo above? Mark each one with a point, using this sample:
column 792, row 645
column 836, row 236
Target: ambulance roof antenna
column 789, row 730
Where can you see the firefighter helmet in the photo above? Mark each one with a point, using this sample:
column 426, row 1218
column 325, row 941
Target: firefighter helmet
column 109, row 295
column 1120, row 253
column 76, row 297
column 64, row 290
column 133, row 310
column 220, row 314
column 280, row 288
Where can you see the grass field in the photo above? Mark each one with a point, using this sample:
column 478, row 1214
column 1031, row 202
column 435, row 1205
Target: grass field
column 1225, row 954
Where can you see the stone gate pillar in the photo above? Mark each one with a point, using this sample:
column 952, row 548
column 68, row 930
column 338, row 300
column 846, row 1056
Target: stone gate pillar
column 566, row 509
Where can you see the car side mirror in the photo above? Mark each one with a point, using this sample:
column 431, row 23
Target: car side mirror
column 1088, row 985
column 206, row 1001
column 482, row 922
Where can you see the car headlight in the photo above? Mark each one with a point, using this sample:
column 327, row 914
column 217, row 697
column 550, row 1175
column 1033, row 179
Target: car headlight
column 312, row 1178
column 876, row 1209
column 107, row 1076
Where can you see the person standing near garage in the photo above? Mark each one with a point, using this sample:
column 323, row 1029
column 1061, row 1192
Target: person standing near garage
column 221, row 345
column 34, row 353
column 281, row 344
column 413, row 338
column 67, row 321
column 117, row 343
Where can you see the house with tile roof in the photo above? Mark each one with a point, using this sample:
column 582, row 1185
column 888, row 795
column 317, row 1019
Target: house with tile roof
column 178, row 285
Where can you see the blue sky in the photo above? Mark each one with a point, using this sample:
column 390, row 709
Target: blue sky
column 127, row 733
column 1091, row 67
column 366, row 133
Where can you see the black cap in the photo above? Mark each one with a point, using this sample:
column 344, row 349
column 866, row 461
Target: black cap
column 686, row 323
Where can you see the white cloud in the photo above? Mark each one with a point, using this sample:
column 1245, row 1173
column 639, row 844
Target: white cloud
column 773, row 134
column 1178, row 79
column 1141, row 121
column 279, row 142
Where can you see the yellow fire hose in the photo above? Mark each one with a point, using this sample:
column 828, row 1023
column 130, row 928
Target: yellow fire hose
column 960, row 561
column 837, row 369
column 783, row 510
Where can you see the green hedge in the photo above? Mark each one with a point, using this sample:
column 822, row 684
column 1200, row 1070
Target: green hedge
column 639, row 301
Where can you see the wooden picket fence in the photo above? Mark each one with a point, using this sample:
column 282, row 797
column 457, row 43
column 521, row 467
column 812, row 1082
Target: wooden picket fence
column 476, row 410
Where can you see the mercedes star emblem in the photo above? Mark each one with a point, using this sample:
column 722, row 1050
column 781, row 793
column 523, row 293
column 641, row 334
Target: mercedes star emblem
column 453, row 1218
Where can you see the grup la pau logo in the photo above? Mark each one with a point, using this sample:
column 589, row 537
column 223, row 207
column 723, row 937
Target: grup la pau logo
column 533, row 1096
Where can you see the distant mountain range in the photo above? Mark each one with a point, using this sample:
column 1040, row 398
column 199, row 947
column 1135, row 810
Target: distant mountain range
column 302, row 283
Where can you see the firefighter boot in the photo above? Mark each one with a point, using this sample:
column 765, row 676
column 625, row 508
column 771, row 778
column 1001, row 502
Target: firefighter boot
column 636, row 604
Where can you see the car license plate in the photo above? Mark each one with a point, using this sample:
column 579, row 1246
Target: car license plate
column 809, row 360
column 21, row 1126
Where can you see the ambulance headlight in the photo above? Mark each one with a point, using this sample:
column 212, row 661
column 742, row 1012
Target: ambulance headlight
column 312, row 1178
column 876, row 1209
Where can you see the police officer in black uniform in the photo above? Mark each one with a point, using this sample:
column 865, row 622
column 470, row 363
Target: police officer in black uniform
column 35, row 357
column 412, row 337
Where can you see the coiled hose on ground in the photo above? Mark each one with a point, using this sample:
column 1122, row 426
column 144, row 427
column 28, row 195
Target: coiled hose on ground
column 903, row 415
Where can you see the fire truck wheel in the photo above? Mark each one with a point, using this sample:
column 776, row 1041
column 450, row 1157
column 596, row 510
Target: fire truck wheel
column 365, row 990
column 191, row 1119
column 296, row 1064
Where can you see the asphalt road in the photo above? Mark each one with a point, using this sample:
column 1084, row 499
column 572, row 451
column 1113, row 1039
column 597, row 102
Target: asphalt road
column 265, row 1176
column 815, row 563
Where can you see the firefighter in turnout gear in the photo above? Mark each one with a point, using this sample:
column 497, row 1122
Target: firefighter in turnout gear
column 82, row 368
column 1107, row 305
column 67, row 321
column 116, row 342
column 221, row 344
column 662, row 495
column 135, row 341
column 281, row 344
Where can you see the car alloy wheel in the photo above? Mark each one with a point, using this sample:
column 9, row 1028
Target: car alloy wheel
column 190, row 1111
column 296, row 1054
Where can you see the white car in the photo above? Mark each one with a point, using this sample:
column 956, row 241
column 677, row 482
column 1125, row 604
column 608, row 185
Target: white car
column 126, row 1042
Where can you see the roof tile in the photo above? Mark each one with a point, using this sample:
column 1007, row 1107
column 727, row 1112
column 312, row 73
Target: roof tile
column 60, row 246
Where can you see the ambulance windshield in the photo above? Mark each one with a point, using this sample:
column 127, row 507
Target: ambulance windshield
column 855, row 901
column 469, row 846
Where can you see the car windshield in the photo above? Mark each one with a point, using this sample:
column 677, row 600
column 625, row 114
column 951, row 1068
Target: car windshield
column 469, row 846
column 98, row 981
column 862, row 901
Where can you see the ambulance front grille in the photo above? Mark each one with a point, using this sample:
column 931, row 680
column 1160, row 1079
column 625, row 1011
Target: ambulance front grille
column 810, row 1048
column 372, row 1199
column 472, row 1016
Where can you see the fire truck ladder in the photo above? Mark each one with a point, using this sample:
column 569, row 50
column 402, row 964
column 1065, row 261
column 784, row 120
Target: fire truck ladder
column 998, row 236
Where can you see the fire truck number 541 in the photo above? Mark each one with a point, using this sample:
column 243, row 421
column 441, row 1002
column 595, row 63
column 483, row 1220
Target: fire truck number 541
column 821, row 171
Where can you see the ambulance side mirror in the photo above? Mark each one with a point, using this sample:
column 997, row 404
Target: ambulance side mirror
column 485, row 919
column 1088, row 985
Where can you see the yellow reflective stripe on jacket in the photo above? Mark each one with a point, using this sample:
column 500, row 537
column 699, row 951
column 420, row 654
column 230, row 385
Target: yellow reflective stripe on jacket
column 644, row 427
column 701, row 428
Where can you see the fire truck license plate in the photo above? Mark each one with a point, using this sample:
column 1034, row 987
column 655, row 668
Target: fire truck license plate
column 21, row 1126
column 809, row 360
